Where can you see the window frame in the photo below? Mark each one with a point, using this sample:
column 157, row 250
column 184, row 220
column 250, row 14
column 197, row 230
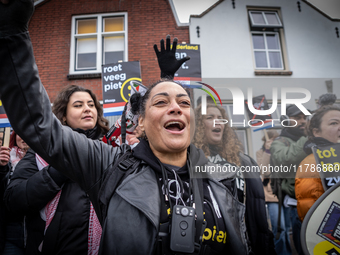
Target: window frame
column 266, row 50
column 100, row 42
column 253, row 24
column 285, row 70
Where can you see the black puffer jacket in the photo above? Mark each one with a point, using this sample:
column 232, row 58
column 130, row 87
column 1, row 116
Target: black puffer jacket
column 3, row 184
column 30, row 190
column 131, row 226
column 11, row 224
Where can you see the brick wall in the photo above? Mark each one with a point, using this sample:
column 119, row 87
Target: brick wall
column 50, row 30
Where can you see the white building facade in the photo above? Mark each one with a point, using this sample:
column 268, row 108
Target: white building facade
column 266, row 44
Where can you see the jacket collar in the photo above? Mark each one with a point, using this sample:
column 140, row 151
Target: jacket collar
column 143, row 152
column 141, row 190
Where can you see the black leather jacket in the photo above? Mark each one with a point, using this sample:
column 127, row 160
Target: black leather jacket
column 131, row 226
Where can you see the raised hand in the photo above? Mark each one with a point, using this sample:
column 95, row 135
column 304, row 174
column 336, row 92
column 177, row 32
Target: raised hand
column 167, row 58
column 14, row 16
column 4, row 155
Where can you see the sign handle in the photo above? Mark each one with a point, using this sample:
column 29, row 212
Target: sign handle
column 7, row 135
column 266, row 134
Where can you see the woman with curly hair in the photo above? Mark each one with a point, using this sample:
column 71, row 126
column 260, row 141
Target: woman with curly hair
column 59, row 216
column 220, row 139
column 218, row 142
column 221, row 146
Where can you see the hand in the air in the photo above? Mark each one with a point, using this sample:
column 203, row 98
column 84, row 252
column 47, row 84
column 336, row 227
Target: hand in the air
column 14, row 16
column 167, row 58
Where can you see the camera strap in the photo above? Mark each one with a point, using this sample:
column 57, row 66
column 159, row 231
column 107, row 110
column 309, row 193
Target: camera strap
column 163, row 243
column 200, row 223
column 196, row 187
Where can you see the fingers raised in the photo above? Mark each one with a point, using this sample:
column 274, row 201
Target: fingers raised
column 156, row 49
column 174, row 45
column 162, row 45
column 168, row 43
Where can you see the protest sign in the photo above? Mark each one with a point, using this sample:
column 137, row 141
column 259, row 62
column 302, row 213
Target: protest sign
column 4, row 122
column 191, row 69
column 116, row 80
column 320, row 231
column 259, row 103
column 126, row 123
column 327, row 164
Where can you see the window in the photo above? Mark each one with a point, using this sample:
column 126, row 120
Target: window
column 267, row 51
column 243, row 130
column 97, row 40
column 276, row 116
column 266, row 42
column 264, row 19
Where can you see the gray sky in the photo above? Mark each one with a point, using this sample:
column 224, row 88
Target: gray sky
column 187, row 7
column 330, row 7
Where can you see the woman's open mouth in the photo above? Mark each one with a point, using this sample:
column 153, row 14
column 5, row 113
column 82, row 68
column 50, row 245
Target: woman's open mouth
column 217, row 130
column 174, row 126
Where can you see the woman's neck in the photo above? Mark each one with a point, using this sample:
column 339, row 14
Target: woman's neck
column 176, row 159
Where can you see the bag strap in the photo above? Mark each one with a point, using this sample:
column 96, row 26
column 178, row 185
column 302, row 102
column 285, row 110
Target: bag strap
column 122, row 168
column 200, row 223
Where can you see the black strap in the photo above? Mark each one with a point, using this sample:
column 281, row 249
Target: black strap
column 279, row 229
column 198, row 199
column 123, row 167
column 197, row 188
column 123, row 124
column 163, row 242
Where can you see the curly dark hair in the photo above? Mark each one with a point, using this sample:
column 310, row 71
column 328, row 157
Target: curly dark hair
column 316, row 120
column 60, row 106
column 229, row 147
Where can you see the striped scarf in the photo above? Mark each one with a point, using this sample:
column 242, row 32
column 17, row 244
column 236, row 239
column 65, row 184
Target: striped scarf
column 95, row 229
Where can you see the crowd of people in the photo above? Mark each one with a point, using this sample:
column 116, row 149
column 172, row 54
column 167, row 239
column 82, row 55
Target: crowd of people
column 70, row 193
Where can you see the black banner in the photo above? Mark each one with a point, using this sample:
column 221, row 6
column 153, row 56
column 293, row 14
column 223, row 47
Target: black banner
column 327, row 164
column 116, row 80
column 191, row 69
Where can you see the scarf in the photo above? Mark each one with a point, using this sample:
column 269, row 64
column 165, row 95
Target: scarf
column 315, row 141
column 292, row 133
column 16, row 154
column 95, row 229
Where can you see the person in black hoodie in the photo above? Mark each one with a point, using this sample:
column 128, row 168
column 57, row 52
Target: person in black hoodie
column 221, row 146
column 59, row 219
column 133, row 214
